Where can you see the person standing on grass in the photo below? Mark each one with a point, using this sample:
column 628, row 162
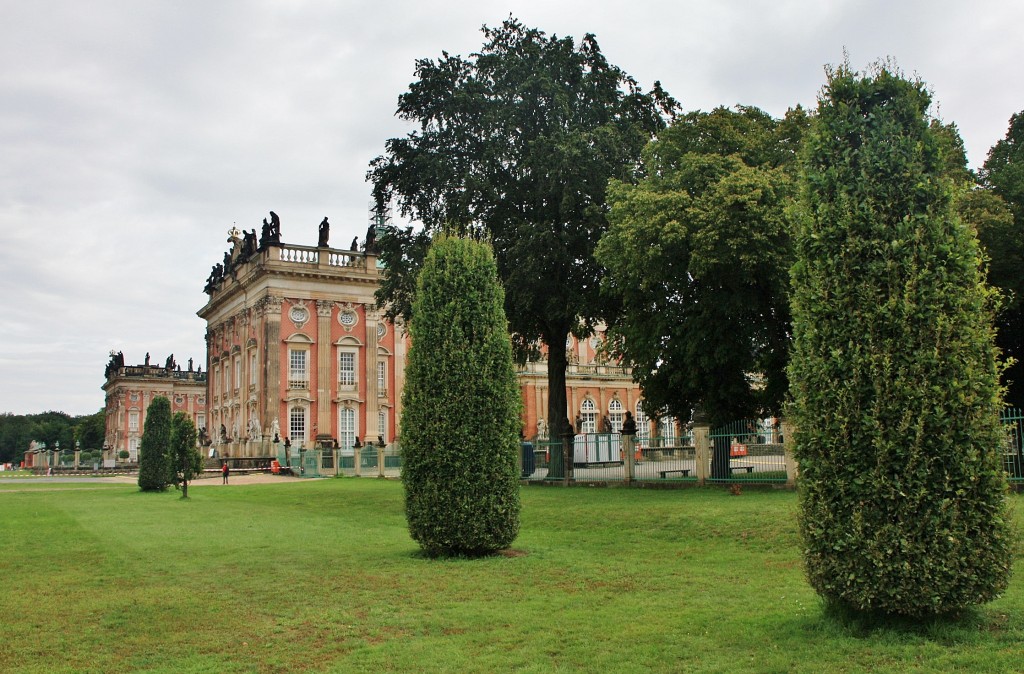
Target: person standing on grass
column 225, row 471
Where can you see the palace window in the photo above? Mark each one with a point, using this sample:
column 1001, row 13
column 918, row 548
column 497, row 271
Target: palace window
column 615, row 415
column 133, row 421
column 347, row 429
column 588, row 414
column 382, row 424
column 238, row 371
column 347, row 369
column 298, row 376
column 252, row 369
column 667, row 431
column 297, row 424
column 382, row 378
column 643, row 427
column 133, row 449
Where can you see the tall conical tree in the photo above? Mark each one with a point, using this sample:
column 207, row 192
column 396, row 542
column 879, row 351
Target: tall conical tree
column 893, row 374
column 184, row 457
column 460, row 420
column 154, row 467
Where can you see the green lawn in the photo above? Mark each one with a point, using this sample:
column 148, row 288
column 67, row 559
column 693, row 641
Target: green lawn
column 322, row 576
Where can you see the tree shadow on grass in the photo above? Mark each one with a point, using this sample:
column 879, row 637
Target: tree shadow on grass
column 968, row 624
column 511, row 553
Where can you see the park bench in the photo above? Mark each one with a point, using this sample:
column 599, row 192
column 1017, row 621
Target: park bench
column 685, row 472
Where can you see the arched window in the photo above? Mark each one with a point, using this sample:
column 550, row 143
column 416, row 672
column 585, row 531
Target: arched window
column 643, row 427
column 347, row 429
column 615, row 415
column 588, row 414
column 382, row 424
column 297, row 424
column 667, row 431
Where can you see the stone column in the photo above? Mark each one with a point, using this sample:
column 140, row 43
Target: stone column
column 372, row 401
column 270, row 307
column 629, row 448
column 702, row 447
column 400, row 360
column 324, row 309
column 792, row 468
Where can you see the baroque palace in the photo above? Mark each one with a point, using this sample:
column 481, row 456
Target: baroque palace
column 297, row 349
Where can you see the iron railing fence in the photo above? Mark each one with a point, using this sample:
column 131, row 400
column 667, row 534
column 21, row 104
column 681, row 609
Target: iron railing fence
column 1013, row 450
column 747, row 450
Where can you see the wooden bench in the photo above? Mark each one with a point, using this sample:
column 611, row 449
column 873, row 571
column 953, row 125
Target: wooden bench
column 684, row 472
column 749, row 469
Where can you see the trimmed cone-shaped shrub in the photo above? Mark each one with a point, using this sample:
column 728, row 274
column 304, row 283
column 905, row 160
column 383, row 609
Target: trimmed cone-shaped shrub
column 185, row 458
column 154, row 467
column 893, row 372
column 460, row 418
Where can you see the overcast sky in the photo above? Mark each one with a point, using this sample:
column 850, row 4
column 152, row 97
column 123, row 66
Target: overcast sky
column 134, row 134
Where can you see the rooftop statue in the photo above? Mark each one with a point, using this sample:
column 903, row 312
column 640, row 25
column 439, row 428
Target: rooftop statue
column 325, row 233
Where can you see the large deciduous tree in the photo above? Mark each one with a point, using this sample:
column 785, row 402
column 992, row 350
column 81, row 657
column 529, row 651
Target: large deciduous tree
column 516, row 144
column 461, row 406
column 91, row 429
column 1003, row 239
column 894, row 373
column 154, row 448
column 698, row 253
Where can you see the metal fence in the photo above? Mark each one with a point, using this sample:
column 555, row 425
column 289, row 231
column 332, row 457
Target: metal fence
column 748, row 451
column 331, row 462
column 1013, row 450
column 745, row 451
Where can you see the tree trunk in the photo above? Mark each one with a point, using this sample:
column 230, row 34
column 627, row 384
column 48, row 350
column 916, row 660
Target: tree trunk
column 720, row 458
column 558, row 413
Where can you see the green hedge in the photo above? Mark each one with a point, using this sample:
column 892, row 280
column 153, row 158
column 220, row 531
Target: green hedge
column 893, row 372
column 154, row 465
column 461, row 405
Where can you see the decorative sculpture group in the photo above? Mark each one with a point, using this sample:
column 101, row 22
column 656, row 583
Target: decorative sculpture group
column 116, row 362
column 248, row 246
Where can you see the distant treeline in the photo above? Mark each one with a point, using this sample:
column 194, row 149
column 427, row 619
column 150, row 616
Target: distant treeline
column 18, row 430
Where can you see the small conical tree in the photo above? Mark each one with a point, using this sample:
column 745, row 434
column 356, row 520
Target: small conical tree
column 154, row 473
column 461, row 406
column 186, row 460
column 893, row 373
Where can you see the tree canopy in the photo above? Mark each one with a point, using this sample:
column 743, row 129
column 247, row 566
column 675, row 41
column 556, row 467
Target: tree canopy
column 1003, row 238
column 698, row 253
column 516, row 144
column 18, row 430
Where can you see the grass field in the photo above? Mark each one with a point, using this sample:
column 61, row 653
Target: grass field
column 322, row 576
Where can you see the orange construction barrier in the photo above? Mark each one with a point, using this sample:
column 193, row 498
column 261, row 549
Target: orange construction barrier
column 275, row 467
